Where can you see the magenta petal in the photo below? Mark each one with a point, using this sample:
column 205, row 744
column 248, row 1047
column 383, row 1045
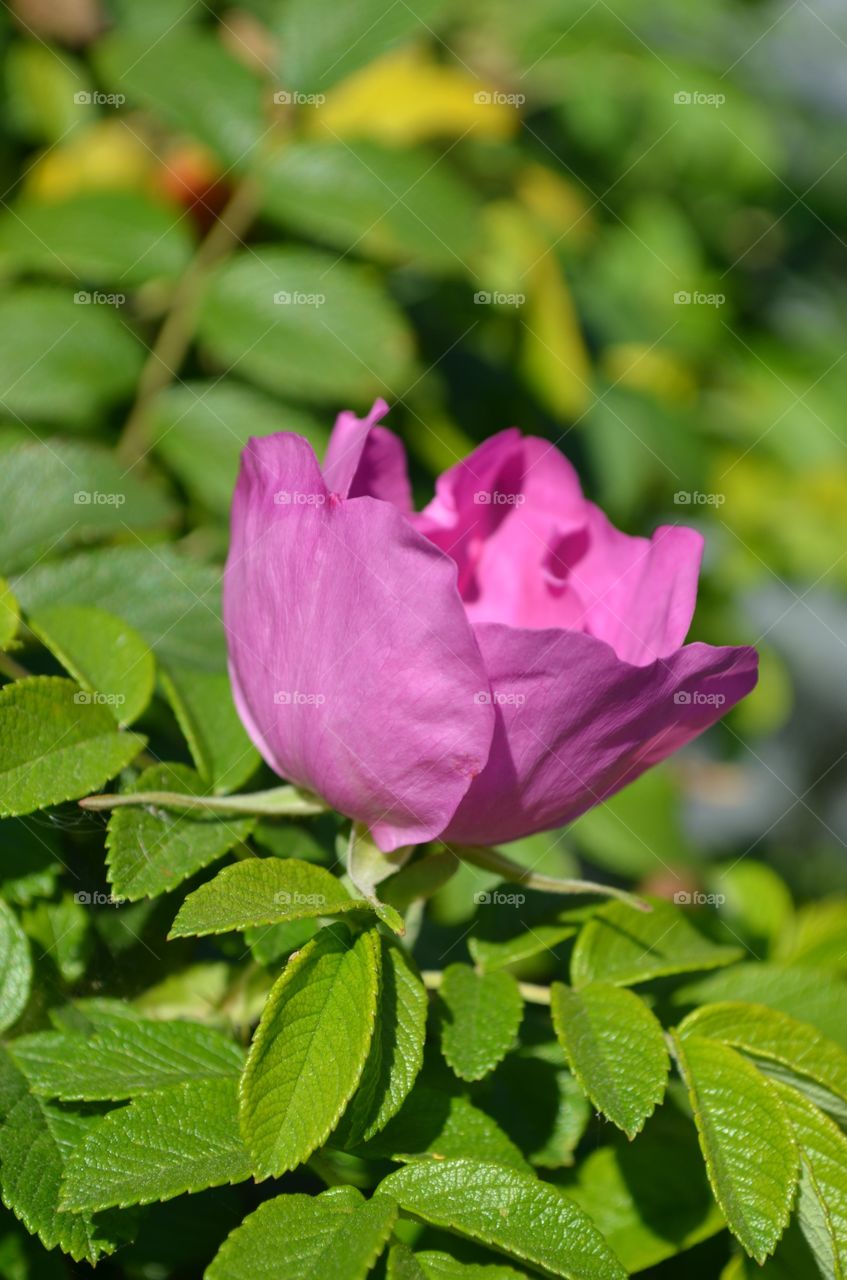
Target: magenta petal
column 355, row 670
column 575, row 724
column 365, row 460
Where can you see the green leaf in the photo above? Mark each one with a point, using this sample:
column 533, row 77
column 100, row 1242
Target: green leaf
column 419, row 880
column 297, row 1237
column 508, row 930
column 152, row 850
column 309, row 1050
column 396, row 1053
column 124, row 1060
column 397, row 206
column 815, row 937
column 62, row 931
column 262, row 891
column 481, row 1014
column 202, row 702
column 651, row 1199
column 119, row 238
column 767, row 1033
column 433, row 1124
column 9, row 615
column 431, row 1265
column 554, row 1111
column 746, row 1139
column 193, row 84
column 524, row 1218
column 29, row 862
column 632, row 831
column 34, row 1146
column 329, row 314
column 106, row 656
column 624, row 946
column 170, row 599
column 15, row 968
column 814, row 995
column 55, row 747
column 184, row 1138
column 199, row 429
column 616, row 1050
column 65, row 492
column 61, row 361
column 324, row 44
column 822, row 1202
column 368, row 866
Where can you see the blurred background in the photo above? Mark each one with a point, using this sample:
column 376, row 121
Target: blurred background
column 616, row 225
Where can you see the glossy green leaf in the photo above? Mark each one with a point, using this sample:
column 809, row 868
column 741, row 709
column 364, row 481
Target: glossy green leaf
column 35, row 1143
column 310, row 1049
column 623, row 946
column 124, row 1060
column 61, row 931
column 263, row 891
column 200, row 428
column 9, row 615
column 115, row 238
column 62, row 361
column 434, row 1124
column 29, row 861
column 202, row 702
column 284, row 316
column 106, row 656
column 527, row 1219
column 554, row 1111
column 481, row 1014
column 55, row 745
column 184, row 1138
column 746, row 1139
column 396, row 1053
column 62, row 493
column 152, row 850
column 298, row 1237
column 193, row 84
column 822, row 1201
column 616, row 1049
column 15, row 968
column 767, row 1033
column 381, row 202
column 433, row 1265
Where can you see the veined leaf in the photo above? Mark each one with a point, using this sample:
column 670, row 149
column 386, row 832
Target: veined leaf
column 152, row 850
column 15, row 968
column 396, row 1052
column 527, row 1219
column 554, row 1111
column 337, row 1233
column 624, row 947
column 105, row 655
column 482, row 1013
column 202, row 703
column 35, row 1142
column 432, row 1265
column 615, row 1048
column 746, row 1139
column 263, row 891
column 184, row 1138
column 124, row 1060
column 767, row 1033
column 822, row 1204
column 433, row 1124
column 309, row 1050
column 56, row 745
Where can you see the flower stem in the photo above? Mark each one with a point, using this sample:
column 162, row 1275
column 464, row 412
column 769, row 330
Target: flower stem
column 280, row 802
column 494, row 860
column 531, row 991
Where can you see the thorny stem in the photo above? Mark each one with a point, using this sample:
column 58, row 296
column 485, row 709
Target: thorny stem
column 174, row 337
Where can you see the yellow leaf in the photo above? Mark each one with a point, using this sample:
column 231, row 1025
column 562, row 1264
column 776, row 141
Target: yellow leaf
column 555, row 359
column 555, row 202
column 406, row 97
column 105, row 155
column 636, row 365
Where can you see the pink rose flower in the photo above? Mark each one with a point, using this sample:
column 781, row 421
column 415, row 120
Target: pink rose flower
column 487, row 668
